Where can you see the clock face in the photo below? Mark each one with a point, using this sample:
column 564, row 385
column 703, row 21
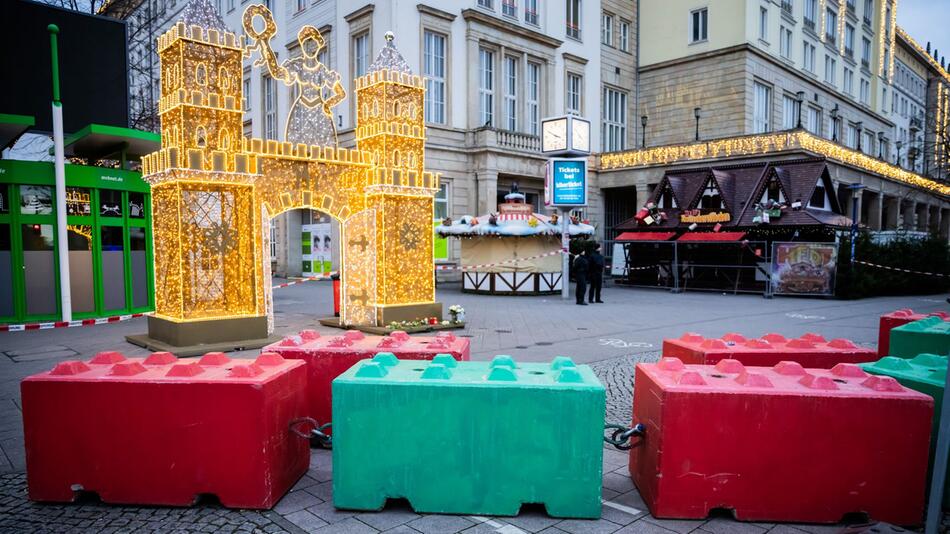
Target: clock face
column 580, row 135
column 554, row 135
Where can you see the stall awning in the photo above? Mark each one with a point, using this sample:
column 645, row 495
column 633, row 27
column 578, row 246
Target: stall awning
column 12, row 127
column 645, row 236
column 708, row 237
column 100, row 141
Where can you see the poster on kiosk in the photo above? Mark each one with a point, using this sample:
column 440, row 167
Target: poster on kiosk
column 566, row 183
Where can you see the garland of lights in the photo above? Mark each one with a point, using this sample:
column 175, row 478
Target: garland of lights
column 214, row 191
column 765, row 144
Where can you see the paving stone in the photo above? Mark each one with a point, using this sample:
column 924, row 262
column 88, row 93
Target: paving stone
column 728, row 526
column 644, row 527
column 295, row 501
column 388, row 518
column 329, row 513
column 437, row 524
column 305, row 520
column 532, row 520
column 618, row 483
column 305, row 482
column 682, row 526
column 401, row 529
column 588, row 526
column 785, row 529
column 347, row 526
column 323, row 491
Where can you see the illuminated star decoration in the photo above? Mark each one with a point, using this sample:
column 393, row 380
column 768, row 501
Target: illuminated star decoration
column 408, row 237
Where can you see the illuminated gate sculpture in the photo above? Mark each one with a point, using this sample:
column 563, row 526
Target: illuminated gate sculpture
column 215, row 191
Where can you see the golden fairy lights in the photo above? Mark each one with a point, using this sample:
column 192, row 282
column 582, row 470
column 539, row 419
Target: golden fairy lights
column 215, row 191
column 765, row 144
column 886, row 37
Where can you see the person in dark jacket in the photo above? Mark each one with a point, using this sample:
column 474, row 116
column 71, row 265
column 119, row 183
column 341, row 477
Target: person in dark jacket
column 581, row 268
column 596, row 274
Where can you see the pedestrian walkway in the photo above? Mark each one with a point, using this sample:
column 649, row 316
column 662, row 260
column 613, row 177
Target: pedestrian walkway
column 612, row 337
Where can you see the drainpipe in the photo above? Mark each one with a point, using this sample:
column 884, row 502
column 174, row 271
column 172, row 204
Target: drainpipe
column 636, row 69
column 65, row 300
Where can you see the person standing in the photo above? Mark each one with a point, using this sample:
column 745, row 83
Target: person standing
column 581, row 268
column 596, row 275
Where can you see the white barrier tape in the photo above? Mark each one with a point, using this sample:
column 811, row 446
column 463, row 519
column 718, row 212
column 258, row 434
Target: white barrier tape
column 324, row 276
column 484, row 265
column 69, row 324
column 899, row 269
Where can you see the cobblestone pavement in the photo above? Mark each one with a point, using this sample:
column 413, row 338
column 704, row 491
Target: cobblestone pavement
column 611, row 337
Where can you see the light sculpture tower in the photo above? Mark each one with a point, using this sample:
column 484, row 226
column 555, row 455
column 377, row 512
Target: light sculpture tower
column 214, row 191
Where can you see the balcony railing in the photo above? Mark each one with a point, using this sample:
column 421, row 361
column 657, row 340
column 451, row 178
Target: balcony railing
column 787, row 7
column 508, row 7
column 809, row 23
column 518, row 141
column 848, row 52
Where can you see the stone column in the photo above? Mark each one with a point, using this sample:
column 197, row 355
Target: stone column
column 945, row 222
column 487, row 184
column 893, row 213
column 474, row 120
column 875, row 211
column 643, row 194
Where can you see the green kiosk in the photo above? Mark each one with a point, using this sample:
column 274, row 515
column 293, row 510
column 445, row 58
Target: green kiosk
column 108, row 228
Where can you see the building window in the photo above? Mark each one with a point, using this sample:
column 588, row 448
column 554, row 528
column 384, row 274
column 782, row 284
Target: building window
column 574, row 88
column 301, row 5
column 509, row 8
column 831, row 69
column 488, row 4
column 868, row 145
column 433, row 68
column 624, row 35
column 614, row 127
column 247, row 92
column 884, row 65
column 486, row 85
column 360, row 54
column 712, row 198
column 831, row 25
column 811, row 13
column 819, row 197
column 699, row 25
column 790, row 107
column 441, row 202
column 533, row 96
column 851, row 137
column 848, row 81
column 762, row 105
column 270, row 107
column 848, row 40
column 773, row 191
column 865, row 92
column 865, row 52
column 531, row 12
column 808, row 57
column 607, row 29
column 813, row 123
column 868, row 11
column 511, row 93
column 764, row 23
column 785, row 42
column 574, row 19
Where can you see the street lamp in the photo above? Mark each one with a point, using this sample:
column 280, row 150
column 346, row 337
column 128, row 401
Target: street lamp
column 860, row 128
column 880, row 145
column 834, row 124
column 643, row 131
column 801, row 101
column 697, row 113
column 855, row 191
column 900, row 144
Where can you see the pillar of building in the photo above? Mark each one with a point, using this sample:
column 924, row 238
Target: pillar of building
column 892, row 221
column 487, row 184
column 933, row 219
column 643, row 194
column 945, row 222
column 875, row 211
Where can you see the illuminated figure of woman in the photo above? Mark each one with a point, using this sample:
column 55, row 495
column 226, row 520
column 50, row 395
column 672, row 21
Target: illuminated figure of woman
column 318, row 89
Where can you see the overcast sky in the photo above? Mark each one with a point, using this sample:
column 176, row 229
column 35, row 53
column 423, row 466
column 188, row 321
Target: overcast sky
column 926, row 20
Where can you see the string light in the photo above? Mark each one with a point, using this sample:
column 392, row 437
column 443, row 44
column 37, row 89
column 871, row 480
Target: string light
column 766, row 144
column 214, row 192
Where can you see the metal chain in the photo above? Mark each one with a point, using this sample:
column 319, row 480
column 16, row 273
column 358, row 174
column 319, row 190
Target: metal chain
column 317, row 434
column 622, row 435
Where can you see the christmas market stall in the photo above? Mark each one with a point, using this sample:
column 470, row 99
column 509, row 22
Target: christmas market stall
column 512, row 252
column 767, row 227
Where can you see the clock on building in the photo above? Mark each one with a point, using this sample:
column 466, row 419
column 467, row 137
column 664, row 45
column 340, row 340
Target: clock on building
column 565, row 136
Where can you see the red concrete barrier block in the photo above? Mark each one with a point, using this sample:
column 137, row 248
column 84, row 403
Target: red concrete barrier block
column 897, row 318
column 810, row 350
column 328, row 357
column 780, row 443
column 163, row 431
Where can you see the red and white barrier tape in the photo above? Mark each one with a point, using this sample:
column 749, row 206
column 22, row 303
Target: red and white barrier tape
column 324, row 276
column 484, row 265
column 899, row 269
column 68, row 324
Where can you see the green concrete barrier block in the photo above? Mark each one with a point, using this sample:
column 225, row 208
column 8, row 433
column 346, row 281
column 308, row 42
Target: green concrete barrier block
column 478, row 438
column 926, row 373
column 926, row 336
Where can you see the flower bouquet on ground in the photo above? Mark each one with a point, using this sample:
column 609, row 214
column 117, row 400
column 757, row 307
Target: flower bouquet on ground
column 457, row 313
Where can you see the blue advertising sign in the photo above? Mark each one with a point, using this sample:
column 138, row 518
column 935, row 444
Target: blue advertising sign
column 568, row 182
